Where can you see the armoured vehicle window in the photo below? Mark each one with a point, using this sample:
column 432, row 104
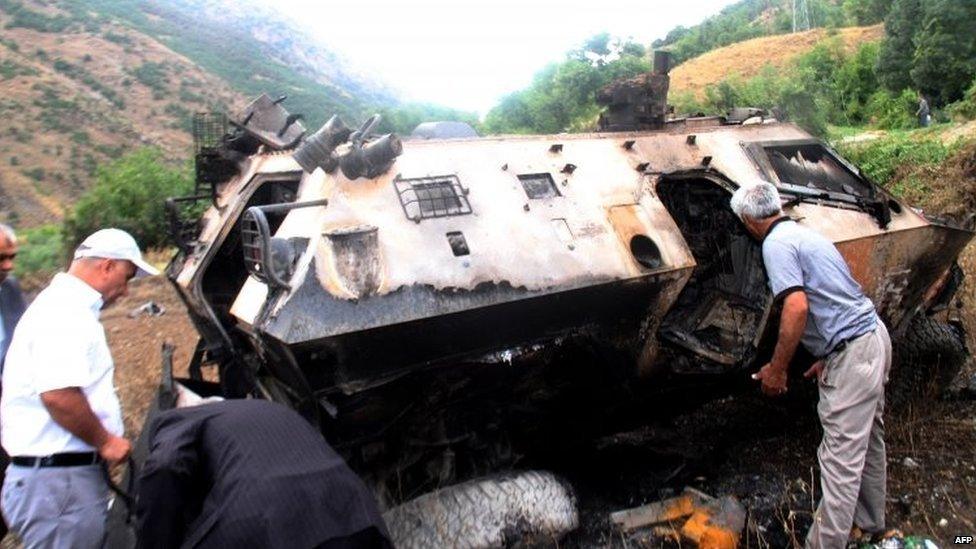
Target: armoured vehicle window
column 431, row 197
column 226, row 274
column 813, row 166
column 539, row 185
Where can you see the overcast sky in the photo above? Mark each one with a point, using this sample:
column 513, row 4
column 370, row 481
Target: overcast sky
column 467, row 54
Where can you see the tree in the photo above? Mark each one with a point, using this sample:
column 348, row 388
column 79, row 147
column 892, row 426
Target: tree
column 128, row 194
column 854, row 83
column 562, row 95
column 866, row 12
column 945, row 52
column 898, row 49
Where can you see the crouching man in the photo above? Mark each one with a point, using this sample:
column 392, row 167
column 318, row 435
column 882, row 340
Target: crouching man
column 250, row 473
column 825, row 309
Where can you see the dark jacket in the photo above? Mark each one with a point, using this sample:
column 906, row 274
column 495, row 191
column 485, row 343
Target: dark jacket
column 250, row 473
column 12, row 306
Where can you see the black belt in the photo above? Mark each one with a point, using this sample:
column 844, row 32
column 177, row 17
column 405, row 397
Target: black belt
column 844, row 343
column 67, row 459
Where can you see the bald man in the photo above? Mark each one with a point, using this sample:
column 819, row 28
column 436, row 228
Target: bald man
column 12, row 305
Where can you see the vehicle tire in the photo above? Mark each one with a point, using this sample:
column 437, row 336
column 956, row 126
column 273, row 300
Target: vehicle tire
column 517, row 508
column 927, row 358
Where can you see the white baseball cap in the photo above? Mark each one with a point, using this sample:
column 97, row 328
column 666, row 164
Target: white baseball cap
column 115, row 244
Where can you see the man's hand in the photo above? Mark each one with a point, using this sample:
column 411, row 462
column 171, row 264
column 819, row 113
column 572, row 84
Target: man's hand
column 115, row 450
column 773, row 380
column 814, row 371
column 69, row 408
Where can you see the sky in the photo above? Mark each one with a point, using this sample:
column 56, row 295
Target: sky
column 468, row 54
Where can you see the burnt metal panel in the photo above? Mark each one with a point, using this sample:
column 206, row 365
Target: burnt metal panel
column 418, row 326
column 269, row 122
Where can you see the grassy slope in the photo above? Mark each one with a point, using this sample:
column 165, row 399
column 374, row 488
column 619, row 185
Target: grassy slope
column 746, row 59
column 87, row 80
column 229, row 52
column 83, row 96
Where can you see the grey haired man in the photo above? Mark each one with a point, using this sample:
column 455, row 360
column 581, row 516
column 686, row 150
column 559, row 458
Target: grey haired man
column 824, row 308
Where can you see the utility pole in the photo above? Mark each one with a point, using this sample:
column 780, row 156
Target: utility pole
column 801, row 16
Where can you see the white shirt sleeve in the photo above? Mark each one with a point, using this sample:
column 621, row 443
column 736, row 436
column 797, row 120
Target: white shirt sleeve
column 63, row 360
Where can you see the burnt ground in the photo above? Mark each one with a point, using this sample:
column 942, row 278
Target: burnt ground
column 762, row 451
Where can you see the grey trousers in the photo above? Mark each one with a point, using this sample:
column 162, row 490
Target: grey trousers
column 56, row 507
column 853, row 468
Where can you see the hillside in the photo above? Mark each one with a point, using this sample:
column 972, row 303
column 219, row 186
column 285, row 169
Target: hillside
column 83, row 96
column 85, row 81
column 747, row 19
column 747, row 59
column 253, row 48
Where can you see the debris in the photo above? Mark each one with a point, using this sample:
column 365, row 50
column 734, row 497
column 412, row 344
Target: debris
column 897, row 540
column 712, row 523
column 668, row 510
column 910, row 463
column 149, row 308
column 943, row 523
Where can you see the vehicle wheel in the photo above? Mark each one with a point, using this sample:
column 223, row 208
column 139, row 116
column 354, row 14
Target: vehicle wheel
column 927, row 358
column 516, row 508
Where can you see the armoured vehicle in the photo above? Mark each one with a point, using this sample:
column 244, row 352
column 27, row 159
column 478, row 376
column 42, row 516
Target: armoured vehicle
column 439, row 305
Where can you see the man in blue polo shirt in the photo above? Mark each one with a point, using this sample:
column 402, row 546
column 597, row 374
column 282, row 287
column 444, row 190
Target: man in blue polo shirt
column 825, row 309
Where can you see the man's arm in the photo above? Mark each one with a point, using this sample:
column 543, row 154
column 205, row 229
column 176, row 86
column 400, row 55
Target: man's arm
column 792, row 321
column 69, row 408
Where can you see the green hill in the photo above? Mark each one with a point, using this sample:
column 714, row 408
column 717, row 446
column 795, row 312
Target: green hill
column 754, row 18
column 86, row 81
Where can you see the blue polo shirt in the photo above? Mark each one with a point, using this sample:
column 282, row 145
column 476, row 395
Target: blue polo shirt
column 798, row 258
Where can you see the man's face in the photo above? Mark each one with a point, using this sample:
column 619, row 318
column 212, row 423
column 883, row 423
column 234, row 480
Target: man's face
column 116, row 274
column 8, row 251
column 752, row 227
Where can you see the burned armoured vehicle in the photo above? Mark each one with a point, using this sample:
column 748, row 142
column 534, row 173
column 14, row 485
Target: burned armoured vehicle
column 437, row 306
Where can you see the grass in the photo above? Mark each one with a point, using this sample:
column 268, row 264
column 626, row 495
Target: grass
column 882, row 158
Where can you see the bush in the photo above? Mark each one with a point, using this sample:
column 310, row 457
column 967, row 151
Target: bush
column 41, row 252
column 966, row 107
column 152, row 75
column 892, row 111
column 128, row 194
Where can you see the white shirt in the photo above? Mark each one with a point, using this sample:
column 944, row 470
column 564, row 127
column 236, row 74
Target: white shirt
column 59, row 343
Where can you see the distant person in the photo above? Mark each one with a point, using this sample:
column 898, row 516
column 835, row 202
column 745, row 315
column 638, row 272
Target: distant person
column 12, row 305
column 250, row 473
column 923, row 114
column 824, row 308
column 60, row 416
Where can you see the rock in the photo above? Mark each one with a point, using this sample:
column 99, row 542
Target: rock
column 149, row 308
column 910, row 463
column 943, row 523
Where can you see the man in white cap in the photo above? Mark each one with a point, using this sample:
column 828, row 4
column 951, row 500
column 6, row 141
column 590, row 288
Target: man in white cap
column 60, row 420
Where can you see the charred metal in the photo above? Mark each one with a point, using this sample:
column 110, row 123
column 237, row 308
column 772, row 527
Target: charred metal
column 438, row 317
